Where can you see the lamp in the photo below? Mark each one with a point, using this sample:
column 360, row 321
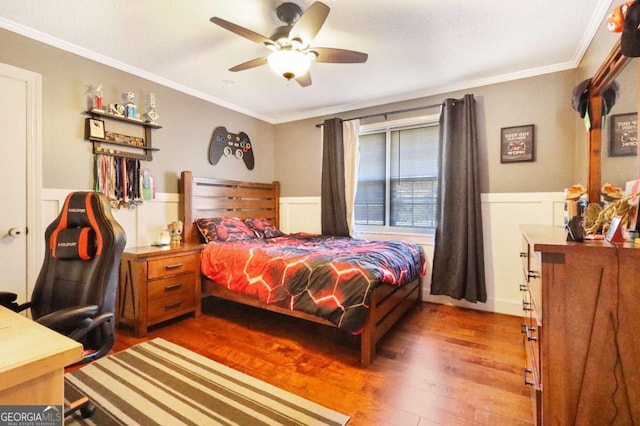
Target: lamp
column 290, row 63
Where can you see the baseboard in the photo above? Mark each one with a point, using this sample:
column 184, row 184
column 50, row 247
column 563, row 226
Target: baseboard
column 506, row 307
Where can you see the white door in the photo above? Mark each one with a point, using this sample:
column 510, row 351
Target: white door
column 18, row 134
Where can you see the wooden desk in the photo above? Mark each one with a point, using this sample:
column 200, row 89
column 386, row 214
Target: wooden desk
column 32, row 361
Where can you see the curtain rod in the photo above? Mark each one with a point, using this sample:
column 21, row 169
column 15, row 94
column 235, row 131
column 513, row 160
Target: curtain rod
column 398, row 111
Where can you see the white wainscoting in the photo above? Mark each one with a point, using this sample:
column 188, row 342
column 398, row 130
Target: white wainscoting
column 502, row 216
column 300, row 214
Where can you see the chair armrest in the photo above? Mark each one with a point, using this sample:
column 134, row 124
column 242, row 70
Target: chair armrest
column 6, row 297
column 8, row 300
column 99, row 320
column 68, row 318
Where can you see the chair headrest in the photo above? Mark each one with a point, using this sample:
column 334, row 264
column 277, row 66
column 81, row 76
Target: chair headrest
column 77, row 234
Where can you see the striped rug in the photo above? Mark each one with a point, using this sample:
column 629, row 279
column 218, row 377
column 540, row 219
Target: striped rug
column 160, row 383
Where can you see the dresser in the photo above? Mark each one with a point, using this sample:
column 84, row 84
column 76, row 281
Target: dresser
column 158, row 284
column 580, row 328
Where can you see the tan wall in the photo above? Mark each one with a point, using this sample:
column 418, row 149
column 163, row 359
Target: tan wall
column 291, row 152
column 543, row 101
column 188, row 122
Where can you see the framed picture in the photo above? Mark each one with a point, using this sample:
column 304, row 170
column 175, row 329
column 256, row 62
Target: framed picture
column 623, row 139
column 95, row 128
column 517, row 143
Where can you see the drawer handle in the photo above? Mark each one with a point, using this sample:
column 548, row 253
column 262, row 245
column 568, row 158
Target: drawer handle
column 525, row 372
column 174, row 266
column 523, row 287
column 532, row 274
column 523, row 254
column 173, row 287
column 524, row 329
column 529, row 336
column 526, row 306
column 172, row 306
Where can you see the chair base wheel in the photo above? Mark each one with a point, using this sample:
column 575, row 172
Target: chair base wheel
column 87, row 410
column 84, row 405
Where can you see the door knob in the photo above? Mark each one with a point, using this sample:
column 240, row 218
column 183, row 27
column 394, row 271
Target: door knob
column 15, row 232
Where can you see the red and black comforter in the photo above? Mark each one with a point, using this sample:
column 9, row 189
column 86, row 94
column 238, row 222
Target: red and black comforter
column 329, row 277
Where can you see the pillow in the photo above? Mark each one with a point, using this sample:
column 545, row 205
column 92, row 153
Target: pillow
column 75, row 243
column 263, row 228
column 224, row 229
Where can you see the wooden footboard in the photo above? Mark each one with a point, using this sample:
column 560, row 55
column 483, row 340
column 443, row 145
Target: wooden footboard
column 388, row 304
column 201, row 197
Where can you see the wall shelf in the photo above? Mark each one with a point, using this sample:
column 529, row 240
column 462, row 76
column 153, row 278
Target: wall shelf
column 140, row 152
column 100, row 113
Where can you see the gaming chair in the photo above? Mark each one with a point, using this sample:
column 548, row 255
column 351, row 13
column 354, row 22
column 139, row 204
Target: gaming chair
column 75, row 292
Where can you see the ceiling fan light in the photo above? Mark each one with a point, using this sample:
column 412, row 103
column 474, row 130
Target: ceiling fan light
column 289, row 63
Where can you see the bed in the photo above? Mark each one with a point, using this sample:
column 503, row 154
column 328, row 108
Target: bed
column 203, row 198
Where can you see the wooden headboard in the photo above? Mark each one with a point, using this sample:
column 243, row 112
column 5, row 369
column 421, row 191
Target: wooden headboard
column 204, row 197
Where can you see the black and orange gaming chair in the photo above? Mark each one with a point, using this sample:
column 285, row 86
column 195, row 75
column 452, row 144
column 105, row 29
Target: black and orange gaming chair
column 75, row 292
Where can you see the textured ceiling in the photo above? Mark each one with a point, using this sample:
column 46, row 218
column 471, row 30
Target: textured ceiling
column 416, row 47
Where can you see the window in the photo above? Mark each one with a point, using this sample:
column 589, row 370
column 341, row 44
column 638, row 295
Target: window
column 397, row 178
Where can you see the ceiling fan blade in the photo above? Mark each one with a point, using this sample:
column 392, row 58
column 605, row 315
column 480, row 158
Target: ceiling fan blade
column 305, row 79
column 339, row 56
column 250, row 64
column 306, row 28
column 241, row 31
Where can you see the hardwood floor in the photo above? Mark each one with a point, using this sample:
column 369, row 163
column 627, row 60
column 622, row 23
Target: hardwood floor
column 440, row 365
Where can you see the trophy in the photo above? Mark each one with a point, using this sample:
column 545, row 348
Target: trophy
column 151, row 116
column 97, row 96
column 116, row 109
column 130, row 107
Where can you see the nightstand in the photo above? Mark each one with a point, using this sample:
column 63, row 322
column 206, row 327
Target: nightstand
column 158, row 284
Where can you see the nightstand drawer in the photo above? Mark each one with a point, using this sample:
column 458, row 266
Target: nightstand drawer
column 170, row 266
column 170, row 306
column 179, row 284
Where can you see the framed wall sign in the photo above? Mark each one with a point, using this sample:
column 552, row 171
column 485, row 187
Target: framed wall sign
column 623, row 139
column 95, row 128
column 517, row 143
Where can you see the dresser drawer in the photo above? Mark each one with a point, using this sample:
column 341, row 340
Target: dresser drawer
column 524, row 256
column 170, row 266
column 533, row 371
column 170, row 306
column 535, row 284
column 532, row 377
column 531, row 336
column 177, row 284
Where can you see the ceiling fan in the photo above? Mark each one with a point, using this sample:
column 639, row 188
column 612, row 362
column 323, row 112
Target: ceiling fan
column 290, row 44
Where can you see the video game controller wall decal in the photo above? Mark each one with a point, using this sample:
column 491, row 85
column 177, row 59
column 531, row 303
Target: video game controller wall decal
column 238, row 145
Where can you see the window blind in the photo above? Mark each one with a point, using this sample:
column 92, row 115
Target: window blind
column 411, row 158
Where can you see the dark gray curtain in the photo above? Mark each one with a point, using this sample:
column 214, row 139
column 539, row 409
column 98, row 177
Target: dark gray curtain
column 333, row 204
column 458, row 260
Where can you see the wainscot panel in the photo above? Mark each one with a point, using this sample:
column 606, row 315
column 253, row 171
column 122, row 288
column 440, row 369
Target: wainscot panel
column 300, row 214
